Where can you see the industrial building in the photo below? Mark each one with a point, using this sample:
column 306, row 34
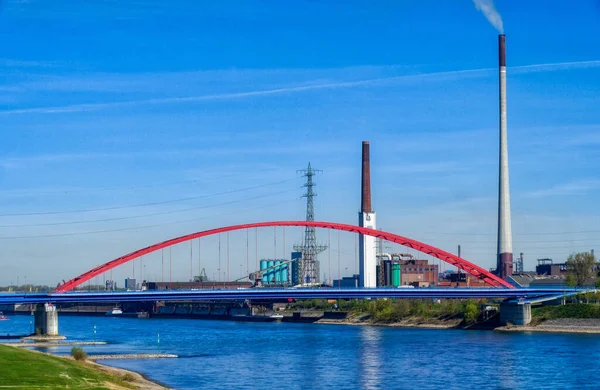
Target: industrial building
column 347, row 282
column 547, row 267
column 419, row 273
column 460, row 279
column 130, row 284
column 401, row 269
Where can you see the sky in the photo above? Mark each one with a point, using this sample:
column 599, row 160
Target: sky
column 125, row 123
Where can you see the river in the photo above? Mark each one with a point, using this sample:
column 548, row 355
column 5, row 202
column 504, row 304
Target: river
column 238, row 355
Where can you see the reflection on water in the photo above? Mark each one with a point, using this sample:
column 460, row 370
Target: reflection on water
column 370, row 357
column 222, row 354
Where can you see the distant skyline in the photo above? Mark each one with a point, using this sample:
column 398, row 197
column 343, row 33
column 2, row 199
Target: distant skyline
column 128, row 123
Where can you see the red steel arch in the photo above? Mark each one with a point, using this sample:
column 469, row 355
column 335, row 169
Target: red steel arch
column 456, row 261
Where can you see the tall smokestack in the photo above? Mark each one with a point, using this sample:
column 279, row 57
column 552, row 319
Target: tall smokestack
column 366, row 218
column 504, row 263
column 366, row 179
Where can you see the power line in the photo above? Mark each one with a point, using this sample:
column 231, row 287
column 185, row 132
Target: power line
column 146, row 226
column 520, row 234
column 148, row 215
column 528, row 242
column 146, row 204
column 133, row 187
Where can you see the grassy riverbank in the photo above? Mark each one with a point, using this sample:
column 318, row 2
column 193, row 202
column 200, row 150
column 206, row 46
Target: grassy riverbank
column 33, row 370
column 402, row 312
column 459, row 314
column 573, row 310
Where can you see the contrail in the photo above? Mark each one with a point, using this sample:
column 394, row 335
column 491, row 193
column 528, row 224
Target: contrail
column 267, row 92
column 490, row 12
column 227, row 96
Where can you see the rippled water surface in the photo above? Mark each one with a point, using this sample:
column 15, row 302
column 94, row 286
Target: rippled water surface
column 224, row 354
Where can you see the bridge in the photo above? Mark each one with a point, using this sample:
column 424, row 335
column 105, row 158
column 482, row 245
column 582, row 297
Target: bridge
column 447, row 257
column 518, row 299
column 262, row 294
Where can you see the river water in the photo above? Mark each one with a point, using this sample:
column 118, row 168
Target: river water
column 238, row 355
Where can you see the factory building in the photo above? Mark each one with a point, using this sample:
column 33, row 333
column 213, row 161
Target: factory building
column 401, row 269
column 419, row 273
column 347, row 282
column 130, row 284
column 460, row 279
column 547, row 267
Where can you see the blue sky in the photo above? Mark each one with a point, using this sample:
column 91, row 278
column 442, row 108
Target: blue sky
column 105, row 104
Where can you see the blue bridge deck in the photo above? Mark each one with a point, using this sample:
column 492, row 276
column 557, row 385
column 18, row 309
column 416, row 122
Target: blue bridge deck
column 287, row 293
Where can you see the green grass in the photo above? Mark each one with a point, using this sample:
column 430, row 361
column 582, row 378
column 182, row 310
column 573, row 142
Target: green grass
column 29, row 370
column 573, row 310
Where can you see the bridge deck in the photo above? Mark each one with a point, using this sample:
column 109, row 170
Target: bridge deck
column 278, row 294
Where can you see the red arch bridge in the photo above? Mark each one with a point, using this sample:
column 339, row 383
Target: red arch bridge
column 456, row 261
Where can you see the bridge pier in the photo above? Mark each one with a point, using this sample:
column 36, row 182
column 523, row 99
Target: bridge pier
column 516, row 313
column 46, row 320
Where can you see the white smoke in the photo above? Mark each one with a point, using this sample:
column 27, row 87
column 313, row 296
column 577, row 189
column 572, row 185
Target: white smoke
column 489, row 10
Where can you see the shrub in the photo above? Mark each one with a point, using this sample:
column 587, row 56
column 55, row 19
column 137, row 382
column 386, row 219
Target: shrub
column 78, row 354
column 471, row 311
column 576, row 310
column 128, row 377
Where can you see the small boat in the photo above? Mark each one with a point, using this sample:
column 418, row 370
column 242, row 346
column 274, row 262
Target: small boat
column 143, row 314
column 3, row 317
column 114, row 312
column 117, row 312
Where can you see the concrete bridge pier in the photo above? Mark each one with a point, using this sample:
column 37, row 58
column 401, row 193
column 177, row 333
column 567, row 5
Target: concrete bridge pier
column 516, row 313
column 46, row 320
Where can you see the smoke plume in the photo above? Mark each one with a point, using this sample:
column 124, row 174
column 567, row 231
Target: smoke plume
column 489, row 10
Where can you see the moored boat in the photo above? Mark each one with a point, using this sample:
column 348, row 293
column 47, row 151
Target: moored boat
column 115, row 311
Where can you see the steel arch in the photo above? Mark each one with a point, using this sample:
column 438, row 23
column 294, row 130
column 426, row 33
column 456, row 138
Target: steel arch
column 456, row 261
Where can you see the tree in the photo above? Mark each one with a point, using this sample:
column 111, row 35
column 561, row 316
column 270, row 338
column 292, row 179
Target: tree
column 471, row 311
column 580, row 267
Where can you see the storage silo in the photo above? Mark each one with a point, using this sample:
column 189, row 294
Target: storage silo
column 284, row 273
column 277, row 271
column 296, row 259
column 270, row 272
column 396, row 274
column 263, row 265
column 387, row 266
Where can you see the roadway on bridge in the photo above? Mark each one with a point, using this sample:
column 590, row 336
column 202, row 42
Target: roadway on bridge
column 282, row 294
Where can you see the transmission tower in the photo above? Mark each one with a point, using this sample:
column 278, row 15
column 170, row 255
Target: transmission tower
column 308, row 266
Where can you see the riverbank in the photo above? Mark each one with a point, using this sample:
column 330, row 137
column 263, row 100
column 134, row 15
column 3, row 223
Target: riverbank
column 411, row 322
column 561, row 325
column 21, row 368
